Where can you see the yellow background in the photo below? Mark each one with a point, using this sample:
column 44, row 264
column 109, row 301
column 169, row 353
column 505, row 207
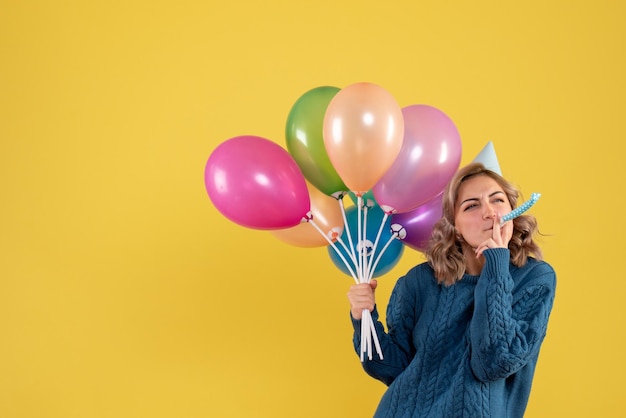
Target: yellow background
column 124, row 293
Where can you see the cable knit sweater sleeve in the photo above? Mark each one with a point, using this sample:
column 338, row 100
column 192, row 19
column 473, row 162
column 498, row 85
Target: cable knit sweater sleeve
column 510, row 317
column 396, row 344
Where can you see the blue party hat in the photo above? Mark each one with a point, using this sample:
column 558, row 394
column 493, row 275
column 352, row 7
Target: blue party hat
column 487, row 156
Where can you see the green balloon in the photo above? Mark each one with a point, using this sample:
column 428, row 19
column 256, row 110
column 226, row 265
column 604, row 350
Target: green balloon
column 305, row 140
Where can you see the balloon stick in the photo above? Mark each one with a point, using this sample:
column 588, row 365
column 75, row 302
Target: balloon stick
column 368, row 329
column 370, row 271
column 368, row 334
column 394, row 236
column 359, row 238
column 363, row 336
column 345, row 223
column 335, row 248
column 345, row 247
column 376, row 342
column 363, row 244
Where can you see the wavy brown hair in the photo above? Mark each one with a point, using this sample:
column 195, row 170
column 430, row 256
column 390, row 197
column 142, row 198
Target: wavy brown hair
column 445, row 249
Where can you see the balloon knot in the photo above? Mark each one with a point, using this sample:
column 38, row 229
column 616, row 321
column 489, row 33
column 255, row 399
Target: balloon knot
column 388, row 209
column 398, row 231
column 339, row 195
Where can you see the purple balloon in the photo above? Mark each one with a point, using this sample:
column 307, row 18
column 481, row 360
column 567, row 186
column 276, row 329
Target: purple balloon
column 257, row 184
column 419, row 223
column 429, row 157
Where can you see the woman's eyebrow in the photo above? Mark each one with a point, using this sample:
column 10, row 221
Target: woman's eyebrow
column 468, row 200
column 471, row 199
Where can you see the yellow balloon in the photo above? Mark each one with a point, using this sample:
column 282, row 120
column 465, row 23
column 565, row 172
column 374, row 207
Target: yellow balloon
column 327, row 216
column 363, row 133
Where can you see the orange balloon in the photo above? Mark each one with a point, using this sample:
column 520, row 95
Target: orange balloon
column 363, row 132
column 326, row 215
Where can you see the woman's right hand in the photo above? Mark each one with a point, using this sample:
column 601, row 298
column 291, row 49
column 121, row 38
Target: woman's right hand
column 361, row 296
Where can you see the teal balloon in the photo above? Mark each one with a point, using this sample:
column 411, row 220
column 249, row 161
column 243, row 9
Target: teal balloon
column 390, row 257
column 305, row 141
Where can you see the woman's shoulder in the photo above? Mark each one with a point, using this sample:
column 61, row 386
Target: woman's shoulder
column 420, row 275
column 539, row 266
column 416, row 285
column 536, row 270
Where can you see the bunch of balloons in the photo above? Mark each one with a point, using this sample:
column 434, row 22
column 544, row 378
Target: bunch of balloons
column 357, row 141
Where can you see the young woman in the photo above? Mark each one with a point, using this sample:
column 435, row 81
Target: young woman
column 464, row 328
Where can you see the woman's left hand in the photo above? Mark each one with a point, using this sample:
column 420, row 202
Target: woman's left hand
column 500, row 237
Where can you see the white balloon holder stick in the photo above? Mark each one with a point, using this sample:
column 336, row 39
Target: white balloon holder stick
column 361, row 264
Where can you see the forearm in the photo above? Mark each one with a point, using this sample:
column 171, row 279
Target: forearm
column 395, row 359
column 507, row 329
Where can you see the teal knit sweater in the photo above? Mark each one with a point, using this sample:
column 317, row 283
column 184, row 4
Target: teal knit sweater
column 466, row 350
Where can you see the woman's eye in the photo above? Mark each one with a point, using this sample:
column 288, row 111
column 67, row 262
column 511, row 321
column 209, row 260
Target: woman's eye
column 468, row 207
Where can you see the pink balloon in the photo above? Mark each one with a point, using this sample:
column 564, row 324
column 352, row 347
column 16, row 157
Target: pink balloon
column 419, row 223
column 256, row 183
column 430, row 155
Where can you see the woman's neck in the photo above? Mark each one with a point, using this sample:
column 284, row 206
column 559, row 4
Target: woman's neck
column 473, row 265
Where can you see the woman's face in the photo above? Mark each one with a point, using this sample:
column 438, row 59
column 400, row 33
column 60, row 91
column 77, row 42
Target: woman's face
column 479, row 200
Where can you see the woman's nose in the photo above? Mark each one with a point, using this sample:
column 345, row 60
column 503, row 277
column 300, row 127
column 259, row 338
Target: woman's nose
column 488, row 212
